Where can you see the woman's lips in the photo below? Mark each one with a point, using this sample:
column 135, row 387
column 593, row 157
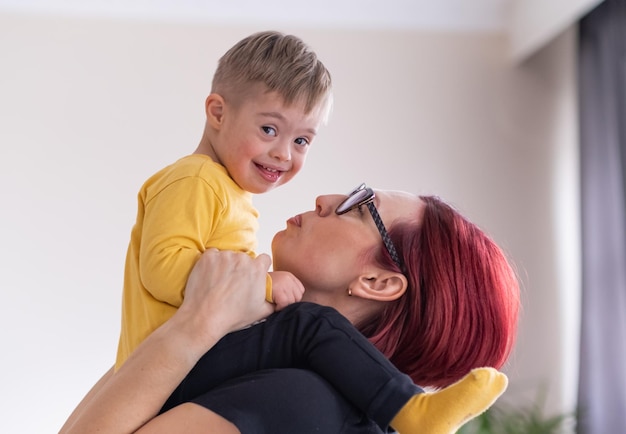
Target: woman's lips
column 295, row 220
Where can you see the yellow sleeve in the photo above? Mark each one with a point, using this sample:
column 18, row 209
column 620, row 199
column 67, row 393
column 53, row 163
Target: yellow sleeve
column 268, row 289
column 177, row 223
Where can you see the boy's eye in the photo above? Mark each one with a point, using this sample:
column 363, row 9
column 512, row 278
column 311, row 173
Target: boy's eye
column 269, row 130
column 301, row 141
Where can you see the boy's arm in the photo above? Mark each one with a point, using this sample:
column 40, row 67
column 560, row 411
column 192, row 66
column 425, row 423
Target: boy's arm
column 176, row 223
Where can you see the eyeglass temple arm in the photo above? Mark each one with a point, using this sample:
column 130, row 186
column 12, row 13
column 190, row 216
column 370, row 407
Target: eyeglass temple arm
column 385, row 236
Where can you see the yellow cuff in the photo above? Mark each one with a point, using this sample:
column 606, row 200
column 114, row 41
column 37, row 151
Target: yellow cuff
column 268, row 289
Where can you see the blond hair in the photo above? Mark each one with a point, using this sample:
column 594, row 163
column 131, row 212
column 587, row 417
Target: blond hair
column 282, row 63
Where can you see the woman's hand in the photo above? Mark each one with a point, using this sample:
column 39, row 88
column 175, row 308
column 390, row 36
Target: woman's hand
column 225, row 292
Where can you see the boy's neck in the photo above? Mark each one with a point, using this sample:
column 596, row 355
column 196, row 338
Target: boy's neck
column 206, row 148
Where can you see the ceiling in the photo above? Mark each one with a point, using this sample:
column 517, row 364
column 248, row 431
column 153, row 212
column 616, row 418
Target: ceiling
column 445, row 15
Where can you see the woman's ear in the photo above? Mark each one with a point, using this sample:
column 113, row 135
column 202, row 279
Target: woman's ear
column 380, row 286
column 214, row 108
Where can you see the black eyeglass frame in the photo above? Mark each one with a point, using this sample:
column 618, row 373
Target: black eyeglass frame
column 368, row 199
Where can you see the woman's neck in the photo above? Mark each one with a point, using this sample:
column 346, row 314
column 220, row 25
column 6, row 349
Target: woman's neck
column 356, row 309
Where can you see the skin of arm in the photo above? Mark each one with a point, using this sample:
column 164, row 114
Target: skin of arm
column 93, row 392
column 286, row 289
column 189, row 418
column 215, row 304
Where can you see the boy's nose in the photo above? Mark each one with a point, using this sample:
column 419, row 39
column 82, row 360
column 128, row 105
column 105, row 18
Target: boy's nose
column 281, row 151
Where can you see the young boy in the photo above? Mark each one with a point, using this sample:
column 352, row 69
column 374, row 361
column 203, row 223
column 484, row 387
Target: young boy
column 270, row 94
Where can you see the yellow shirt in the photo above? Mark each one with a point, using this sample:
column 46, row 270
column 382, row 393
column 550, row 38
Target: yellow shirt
column 183, row 209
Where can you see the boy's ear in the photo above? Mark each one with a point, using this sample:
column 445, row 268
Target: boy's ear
column 381, row 286
column 214, row 108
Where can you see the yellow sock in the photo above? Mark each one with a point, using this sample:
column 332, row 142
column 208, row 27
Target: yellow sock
column 445, row 411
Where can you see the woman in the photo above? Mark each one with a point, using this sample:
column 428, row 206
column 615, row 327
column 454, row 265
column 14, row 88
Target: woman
column 437, row 297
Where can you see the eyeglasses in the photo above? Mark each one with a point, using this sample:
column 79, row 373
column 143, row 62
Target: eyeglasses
column 363, row 195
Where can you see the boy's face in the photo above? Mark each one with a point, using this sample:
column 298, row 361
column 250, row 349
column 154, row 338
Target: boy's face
column 263, row 143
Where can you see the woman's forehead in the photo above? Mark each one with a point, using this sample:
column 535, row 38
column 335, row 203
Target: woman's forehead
column 399, row 204
column 395, row 196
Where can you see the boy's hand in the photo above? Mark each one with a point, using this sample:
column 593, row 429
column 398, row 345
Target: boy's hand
column 286, row 289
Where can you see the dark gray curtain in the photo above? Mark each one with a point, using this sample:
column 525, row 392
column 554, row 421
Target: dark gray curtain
column 602, row 78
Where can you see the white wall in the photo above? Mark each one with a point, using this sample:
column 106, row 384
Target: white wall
column 534, row 23
column 89, row 109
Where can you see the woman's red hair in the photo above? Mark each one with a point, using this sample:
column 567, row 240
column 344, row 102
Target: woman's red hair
column 461, row 307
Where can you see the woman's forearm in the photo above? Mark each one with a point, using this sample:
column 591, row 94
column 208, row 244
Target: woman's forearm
column 76, row 414
column 214, row 305
column 134, row 394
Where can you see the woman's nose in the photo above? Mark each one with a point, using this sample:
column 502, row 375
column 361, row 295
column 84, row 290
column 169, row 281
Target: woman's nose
column 326, row 204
